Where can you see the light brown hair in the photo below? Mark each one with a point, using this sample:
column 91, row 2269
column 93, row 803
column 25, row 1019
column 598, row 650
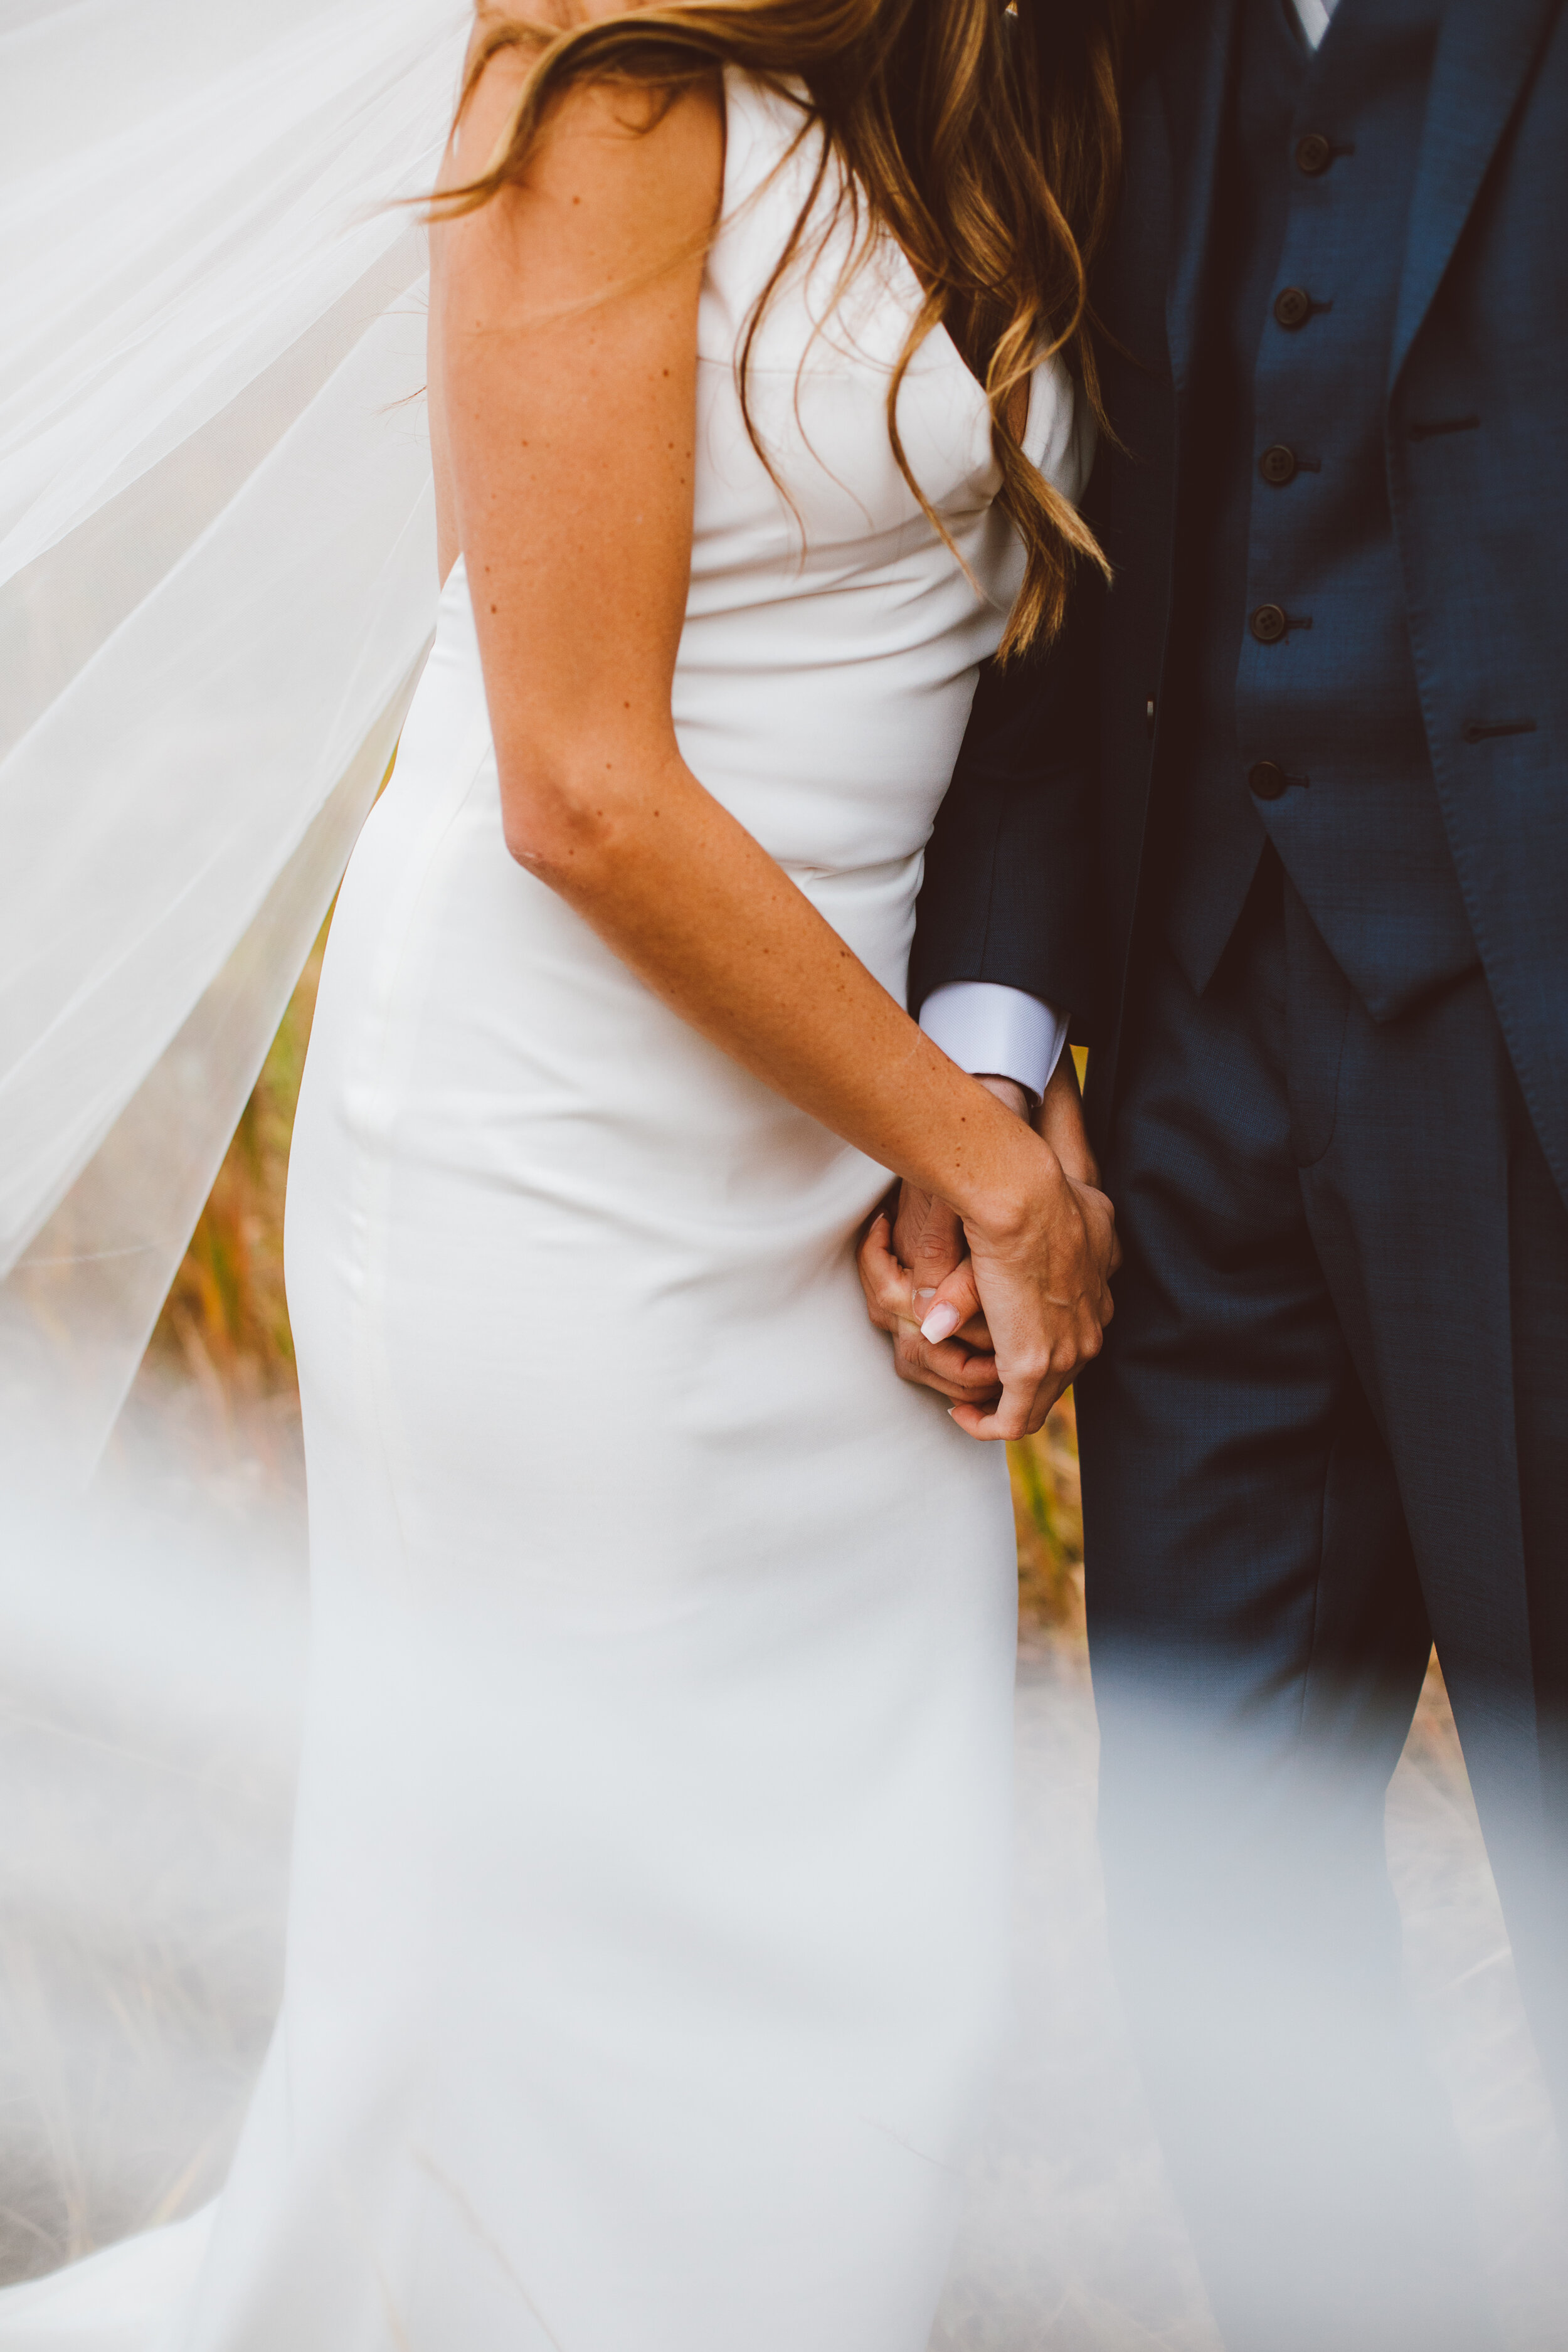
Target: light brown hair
column 984, row 138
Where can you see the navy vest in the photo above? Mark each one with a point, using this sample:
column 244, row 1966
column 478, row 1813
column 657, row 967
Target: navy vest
column 1303, row 719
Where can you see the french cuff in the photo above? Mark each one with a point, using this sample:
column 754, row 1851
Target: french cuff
column 996, row 1033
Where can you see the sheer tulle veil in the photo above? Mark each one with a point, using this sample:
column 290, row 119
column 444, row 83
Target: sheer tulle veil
column 216, row 590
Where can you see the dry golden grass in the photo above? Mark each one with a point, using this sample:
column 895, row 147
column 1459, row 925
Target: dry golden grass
column 1048, row 1511
column 226, row 1317
column 226, row 1326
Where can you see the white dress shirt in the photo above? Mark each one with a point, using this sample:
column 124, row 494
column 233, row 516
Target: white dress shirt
column 1002, row 1032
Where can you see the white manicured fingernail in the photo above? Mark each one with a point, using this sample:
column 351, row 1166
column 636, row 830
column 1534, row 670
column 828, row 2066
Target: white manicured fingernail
column 941, row 1323
column 925, row 1294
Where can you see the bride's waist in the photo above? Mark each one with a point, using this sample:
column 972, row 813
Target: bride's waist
column 837, row 770
column 471, row 1023
column 440, row 927
column 846, row 850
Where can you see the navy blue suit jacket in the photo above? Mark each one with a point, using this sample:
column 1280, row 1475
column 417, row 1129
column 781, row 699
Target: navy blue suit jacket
column 1036, row 872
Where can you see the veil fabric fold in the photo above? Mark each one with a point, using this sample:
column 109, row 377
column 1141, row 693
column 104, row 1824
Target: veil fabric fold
column 217, row 584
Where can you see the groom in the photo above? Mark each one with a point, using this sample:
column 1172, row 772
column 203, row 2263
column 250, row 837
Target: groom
column 1310, row 757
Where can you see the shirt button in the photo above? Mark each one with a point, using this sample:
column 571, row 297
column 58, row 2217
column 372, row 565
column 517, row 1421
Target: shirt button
column 1277, row 464
column 1292, row 308
column 1267, row 780
column 1313, row 154
column 1269, row 624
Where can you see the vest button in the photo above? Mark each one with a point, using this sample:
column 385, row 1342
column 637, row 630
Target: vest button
column 1292, row 308
column 1267, row 780
column 1277, row 464
column 1269, row 624
column 1313, row 154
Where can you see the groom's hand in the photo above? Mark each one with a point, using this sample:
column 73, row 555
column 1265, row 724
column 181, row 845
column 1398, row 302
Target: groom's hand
column 1059, row 1122
column 960, row 1365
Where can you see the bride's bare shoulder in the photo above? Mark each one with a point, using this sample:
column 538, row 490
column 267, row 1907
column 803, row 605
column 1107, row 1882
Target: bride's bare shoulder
column 652, row 163
column 594, row 244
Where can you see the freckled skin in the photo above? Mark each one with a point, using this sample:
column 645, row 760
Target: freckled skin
column 562, row 380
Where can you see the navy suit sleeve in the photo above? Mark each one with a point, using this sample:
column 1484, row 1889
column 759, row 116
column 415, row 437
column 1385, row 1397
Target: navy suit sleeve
column 1011, row 877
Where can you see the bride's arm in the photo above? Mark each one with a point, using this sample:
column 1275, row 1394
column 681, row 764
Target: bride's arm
column 564, row 368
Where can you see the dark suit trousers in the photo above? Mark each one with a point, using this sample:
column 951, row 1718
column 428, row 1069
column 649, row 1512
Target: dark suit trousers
column 1330, row 1422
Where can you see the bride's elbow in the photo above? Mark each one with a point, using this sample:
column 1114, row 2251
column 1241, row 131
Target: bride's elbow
column 554, row 822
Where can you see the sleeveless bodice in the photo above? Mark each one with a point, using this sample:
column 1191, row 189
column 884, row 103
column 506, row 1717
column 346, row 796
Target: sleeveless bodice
column 828, row 660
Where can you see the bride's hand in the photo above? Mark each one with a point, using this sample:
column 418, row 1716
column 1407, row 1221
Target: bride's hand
column 1022, row 1311
column 919, row 1278
column 1041, row 1274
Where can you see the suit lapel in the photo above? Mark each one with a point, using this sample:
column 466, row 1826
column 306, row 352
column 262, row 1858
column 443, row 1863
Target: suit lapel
column 1194, row 72
column 1484, row 52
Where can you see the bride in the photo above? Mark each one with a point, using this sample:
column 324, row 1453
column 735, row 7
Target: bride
column 648, row 1909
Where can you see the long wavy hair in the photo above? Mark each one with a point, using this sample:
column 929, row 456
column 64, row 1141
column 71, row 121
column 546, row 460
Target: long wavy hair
column 982, row 134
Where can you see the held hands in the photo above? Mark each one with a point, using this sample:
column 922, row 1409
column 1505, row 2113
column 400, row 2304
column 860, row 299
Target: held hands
column 1000, row 1322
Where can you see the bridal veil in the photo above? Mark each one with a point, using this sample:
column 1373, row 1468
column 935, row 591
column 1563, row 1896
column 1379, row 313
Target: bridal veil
column 217, row 585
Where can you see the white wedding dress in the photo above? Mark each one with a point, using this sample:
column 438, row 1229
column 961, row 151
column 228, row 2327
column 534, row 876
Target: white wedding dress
column 647, row 1950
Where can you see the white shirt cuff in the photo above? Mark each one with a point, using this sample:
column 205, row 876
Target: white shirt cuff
column 996, row 1032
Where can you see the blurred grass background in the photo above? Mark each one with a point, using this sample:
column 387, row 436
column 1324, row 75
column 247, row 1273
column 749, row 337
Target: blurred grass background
column 224, row 1329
